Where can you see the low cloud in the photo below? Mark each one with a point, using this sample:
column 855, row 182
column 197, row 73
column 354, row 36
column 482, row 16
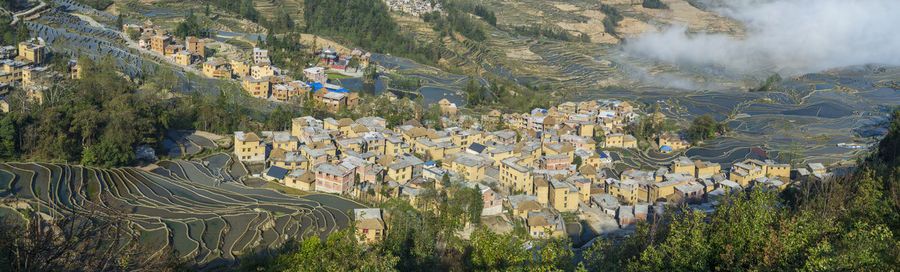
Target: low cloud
column 790, row 37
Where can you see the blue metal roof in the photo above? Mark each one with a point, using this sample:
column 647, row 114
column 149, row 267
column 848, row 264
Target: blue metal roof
column 477, row 147
column 276, row 172
column 316, row 86
column 602, row 154
column 430, row 163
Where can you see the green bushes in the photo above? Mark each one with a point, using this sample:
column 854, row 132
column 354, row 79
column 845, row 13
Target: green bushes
column 366, row 24
column 550, row 32
column 190, row 27
column 97, row 4
column 612, row 19
column 769, row 84
column 704, row 127
column 654, row 4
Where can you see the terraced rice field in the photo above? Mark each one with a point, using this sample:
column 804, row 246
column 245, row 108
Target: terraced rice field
column 196, row 208
column 179, row 143
column 808, row 115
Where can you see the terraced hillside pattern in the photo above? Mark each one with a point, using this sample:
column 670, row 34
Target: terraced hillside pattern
column 197, row 208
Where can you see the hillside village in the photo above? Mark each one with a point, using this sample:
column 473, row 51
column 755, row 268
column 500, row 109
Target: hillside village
column 26, row 66
column 547, row 163
column 257, row 75
column 476, row 135
column 543, row 164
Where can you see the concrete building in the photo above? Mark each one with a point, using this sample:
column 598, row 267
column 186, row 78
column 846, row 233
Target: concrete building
column 301, row 179
column 316, row 75
column 33, row 51
column 249, row 148
column 195, row 46
column 370, row 226
column 216, row 68
column 331, row 178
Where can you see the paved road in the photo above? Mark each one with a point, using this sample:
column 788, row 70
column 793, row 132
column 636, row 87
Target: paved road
column 25, row 13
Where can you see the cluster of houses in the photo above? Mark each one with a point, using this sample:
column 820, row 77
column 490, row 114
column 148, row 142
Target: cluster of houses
column 334, row 60
column 585, row 119
column 157, row 39
column 24, row 66
column 357, row 157
column 545, row 165
column 259, row 78
column 414, row 7
column 636, row 193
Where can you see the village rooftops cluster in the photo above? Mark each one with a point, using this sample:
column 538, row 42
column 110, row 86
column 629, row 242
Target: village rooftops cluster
column 694, row 182
column 23, row 66
column 414, row 7
column 261, row 79
column 257, row 75
column 155, row 38
column 585, row 119
column 534, row 165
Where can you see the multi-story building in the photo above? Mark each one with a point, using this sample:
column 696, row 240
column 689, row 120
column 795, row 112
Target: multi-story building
column 262, row 71
column 370, row 226
column 284, row 92
column 316, row 75
column 447, row 107
column 260, row 55
column 403, row 168
column 239, row 68
column 516, row 176
column 248, row 147
column 195, row 46
column 256, row 87
column 470, row 166
column 670, row 143
column 32, row 51
column 301, row 179
column 216, row 68
column 331, row 178
column 287, row 159
column 183, row 58
column 620, row 141
column 35, row 76
column 707, row 169
column 334, row 101
column 159, row 42
column 542, row 225
column 683, row 165
column 563, row 196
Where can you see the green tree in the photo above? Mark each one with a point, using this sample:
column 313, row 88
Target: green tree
column 8, row 137
column 107, row 154
column 654, row 4
column 190, row 27
column 577, row 162
column 445, row 180
column 704, row 127
column 366, row 24
column 496, row 252
column 612, row 19
column 770, row 83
